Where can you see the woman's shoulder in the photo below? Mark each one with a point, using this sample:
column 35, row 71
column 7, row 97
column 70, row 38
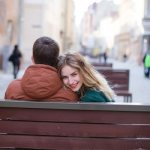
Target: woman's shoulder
column 93, row 91
column 93, row 95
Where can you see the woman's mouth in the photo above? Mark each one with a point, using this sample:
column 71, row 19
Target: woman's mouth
column 73, row 86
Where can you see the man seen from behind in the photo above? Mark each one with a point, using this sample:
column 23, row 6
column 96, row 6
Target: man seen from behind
column 40, row 81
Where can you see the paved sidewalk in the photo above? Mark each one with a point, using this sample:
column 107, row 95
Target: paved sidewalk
column 139, row 85
column 5, row 79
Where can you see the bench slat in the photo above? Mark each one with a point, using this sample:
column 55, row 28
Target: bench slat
column 82, row 116
column 75, row 129
column 102, row 64
column 63, row 143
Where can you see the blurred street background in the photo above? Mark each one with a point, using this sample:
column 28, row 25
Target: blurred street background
column 121, row 28
column 139, row 85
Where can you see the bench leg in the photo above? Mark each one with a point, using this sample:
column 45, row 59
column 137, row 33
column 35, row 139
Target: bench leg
column 128, row 99
column 125, row 99
column 131, row 99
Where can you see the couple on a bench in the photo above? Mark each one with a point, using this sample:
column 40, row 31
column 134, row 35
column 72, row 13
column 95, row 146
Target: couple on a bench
column 59, row 78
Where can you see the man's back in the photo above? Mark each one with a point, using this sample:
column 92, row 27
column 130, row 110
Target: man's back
column 40, row 82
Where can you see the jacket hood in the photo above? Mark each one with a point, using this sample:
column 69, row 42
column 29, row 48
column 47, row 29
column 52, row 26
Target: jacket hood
column 40, row 81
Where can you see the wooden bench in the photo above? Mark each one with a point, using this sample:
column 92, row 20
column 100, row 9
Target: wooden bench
column 102, row 65
column 74, row 126
column 119, row 79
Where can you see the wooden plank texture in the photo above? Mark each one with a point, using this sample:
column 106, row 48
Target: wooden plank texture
column 78, row 127
column 75, row 129
column 82, row 116
column 64, row 143
column 118, row 78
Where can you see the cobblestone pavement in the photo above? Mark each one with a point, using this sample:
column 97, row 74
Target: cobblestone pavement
column 139, row 85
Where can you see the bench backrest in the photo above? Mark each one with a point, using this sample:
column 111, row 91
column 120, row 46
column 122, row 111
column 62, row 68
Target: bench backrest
column 74, row 126
column 102, row 65
column 118, row 78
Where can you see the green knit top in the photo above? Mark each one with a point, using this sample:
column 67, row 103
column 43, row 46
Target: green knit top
column 91, row 95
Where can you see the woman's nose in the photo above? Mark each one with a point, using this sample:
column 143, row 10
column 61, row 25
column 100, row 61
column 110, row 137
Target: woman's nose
column 70, row 80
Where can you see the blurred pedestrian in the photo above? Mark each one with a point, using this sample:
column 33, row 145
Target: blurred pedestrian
column 125, row 57
column 15, row 59
column 146, row 61
column 105, row 55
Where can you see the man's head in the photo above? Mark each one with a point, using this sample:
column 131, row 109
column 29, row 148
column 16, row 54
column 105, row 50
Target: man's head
column 45, row 51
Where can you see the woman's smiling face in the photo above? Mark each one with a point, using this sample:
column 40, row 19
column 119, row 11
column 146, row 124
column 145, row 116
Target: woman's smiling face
column 71, row 78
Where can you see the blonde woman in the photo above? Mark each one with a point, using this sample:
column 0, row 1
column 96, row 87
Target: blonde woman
column 78, row 75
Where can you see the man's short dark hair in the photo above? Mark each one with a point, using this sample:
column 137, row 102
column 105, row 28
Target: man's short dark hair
column 45, row 51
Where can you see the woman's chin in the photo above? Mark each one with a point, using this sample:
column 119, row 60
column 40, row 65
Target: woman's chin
column 75, row 90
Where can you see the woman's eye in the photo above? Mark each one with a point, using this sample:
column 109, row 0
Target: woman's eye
column 74, row 74
column 64, row 77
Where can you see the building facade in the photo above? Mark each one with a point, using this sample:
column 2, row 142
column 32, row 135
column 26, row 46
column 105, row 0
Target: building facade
column 146, row 24
column 9, row 29
column 47, row 18
column 117, row 26
column 23, row 21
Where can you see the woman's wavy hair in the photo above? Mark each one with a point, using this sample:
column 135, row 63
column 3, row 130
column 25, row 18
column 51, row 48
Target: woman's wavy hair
column 91, row 78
